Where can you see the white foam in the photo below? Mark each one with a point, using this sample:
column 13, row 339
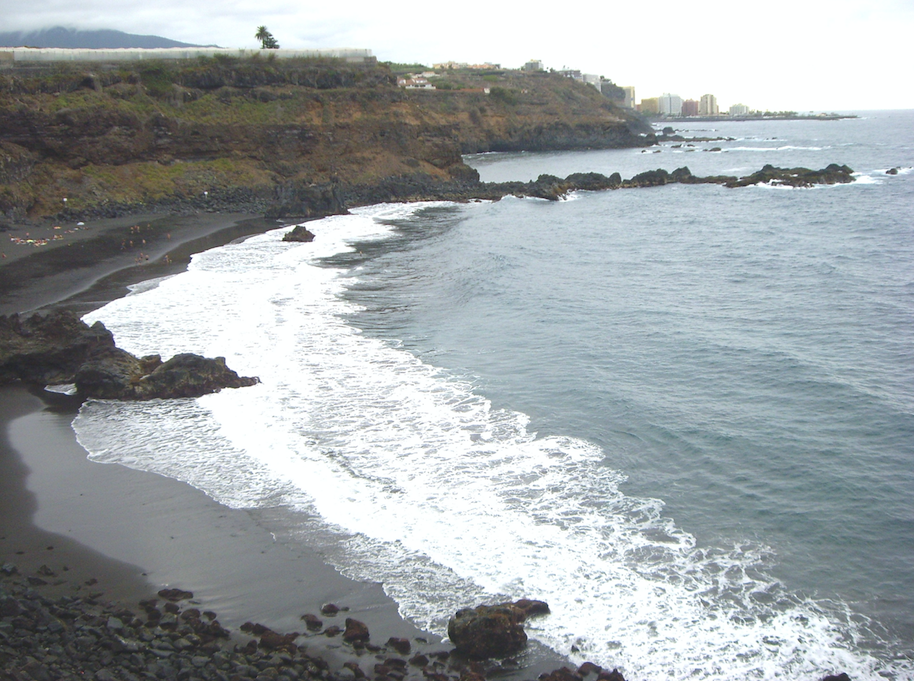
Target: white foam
column 787, row 147
column 430, row 490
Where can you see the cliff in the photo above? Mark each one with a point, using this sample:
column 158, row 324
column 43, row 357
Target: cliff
column 286, row 137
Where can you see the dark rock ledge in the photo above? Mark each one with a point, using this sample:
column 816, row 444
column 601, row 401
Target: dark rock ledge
column 58, row 348
column 314, row 202
column 554, row 188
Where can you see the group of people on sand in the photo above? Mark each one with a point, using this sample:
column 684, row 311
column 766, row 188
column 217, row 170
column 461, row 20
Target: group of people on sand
column 27, row 240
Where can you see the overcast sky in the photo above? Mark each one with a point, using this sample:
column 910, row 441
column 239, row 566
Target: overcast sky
column 797, row 55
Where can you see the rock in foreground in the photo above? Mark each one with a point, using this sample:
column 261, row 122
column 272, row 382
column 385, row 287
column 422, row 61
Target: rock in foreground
column 492, row 630
column 59, row 348
column 184, row 375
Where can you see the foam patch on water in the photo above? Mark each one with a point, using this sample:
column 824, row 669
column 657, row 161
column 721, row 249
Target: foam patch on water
column 787, row 147
column 863, row 178
column 429, row 489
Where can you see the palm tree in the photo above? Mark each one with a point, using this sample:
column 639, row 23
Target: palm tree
column 267, row 41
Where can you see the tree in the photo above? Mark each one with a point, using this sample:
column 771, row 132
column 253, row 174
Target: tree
column 267, row 41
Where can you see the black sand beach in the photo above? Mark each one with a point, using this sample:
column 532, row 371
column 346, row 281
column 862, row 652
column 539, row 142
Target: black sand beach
column 120, row 535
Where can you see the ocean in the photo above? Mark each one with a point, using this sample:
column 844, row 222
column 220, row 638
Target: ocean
column 683, row 416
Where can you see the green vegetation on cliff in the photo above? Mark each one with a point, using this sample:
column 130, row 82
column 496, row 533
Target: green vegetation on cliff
column 265, row 132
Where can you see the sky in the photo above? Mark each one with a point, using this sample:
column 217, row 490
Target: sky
column 778, row 55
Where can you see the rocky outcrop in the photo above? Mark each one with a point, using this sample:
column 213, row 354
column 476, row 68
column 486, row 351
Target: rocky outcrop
column 796, row 177
column 492, row 630
column 118, row 375
column 48, row 349
column 299, row 234
column 59, row 348
column 554, row 188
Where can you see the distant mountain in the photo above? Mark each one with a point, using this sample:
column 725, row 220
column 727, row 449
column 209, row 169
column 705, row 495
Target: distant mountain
column 72, row 38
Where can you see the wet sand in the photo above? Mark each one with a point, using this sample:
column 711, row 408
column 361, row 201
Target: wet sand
column 160, row 533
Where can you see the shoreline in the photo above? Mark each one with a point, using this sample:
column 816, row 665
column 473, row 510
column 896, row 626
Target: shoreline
column 84, row 266
column 122, row 534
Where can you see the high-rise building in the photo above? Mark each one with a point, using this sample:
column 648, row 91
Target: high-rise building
column 670, row 105
column 629, row 96
column 651, row 105
column 739, row 110
column 690, row 107
column 707, row 106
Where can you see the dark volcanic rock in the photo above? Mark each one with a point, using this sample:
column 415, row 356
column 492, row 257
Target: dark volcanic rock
column 312, row 622
column 60, row 348
column 531, row 608
column 589, row 668
column 48, row 349
column 355, row 631
column 649, row 178
column 488, row 630
column 560, row 674
column 184, row 375
column 300, row 233
column 175, row 595
column 401, row 645
column 329, row 609
column 796, row 177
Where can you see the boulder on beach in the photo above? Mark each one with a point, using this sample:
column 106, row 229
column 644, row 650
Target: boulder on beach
column 355, row 631
column 492, row 630
column 59, row 348
column 118, row 375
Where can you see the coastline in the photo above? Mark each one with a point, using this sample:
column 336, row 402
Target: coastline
column 121, row 534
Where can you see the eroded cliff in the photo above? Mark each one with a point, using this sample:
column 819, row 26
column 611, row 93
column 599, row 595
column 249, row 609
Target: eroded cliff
column 285, row 137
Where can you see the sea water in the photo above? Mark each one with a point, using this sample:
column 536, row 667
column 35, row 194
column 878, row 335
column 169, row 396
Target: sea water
column 683, row 416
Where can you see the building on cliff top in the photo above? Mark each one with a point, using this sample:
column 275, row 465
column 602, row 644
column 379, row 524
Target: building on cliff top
column 593, row 79
column 51, row 54
column 415, row 83
column 451, row 65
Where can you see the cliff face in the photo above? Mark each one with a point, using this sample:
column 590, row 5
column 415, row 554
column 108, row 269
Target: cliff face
column 289, row 137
